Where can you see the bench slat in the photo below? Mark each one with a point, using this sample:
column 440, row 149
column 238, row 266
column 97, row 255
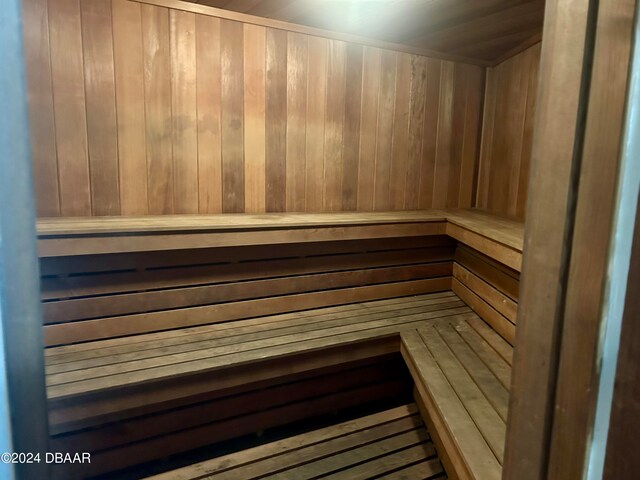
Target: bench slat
column 487, row 420
column 475, row 452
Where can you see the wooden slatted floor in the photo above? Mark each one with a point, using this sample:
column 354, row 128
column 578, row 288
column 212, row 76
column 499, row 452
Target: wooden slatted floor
column 392, row 444
column 98, row 366
column 462, row 371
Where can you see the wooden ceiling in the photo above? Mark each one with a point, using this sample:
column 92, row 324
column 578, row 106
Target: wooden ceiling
column 480, row 29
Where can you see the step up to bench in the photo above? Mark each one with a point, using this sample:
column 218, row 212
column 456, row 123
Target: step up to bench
column 392, row 444
column 462, row 371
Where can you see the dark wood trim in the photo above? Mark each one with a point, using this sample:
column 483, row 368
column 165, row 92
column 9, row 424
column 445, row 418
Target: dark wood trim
column 590, row 275
column 317, row 32
column 579, row 125
column 559, row 125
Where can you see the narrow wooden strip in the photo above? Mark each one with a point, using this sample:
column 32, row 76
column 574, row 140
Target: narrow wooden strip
column 232, row 108
column 495, row 392
column 500, row 324
column 497, row 275
column 426, row 470
column 206, row 273
column 208, row 91
column 141, row 243
column 389, row 462
column 498, row 365
column 156, row 39
column 464, row 433
column 493, row 297
column 133, row 303
column 296, row 461
column 487, row 420
column 94, row 349
column 492, row 338
column 141, row 323
column 254, row 118
column 130, row 105
column 361, row 454
column 504, row 254
column 282, row 446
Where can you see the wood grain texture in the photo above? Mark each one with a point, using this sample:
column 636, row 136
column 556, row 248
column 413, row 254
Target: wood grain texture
column 184, row 106
column 69, row 107
column 477, row 30
column 157, row 90
column 254, row 114
column 190, row 113
column 508, row 134
column 232, row 65
column 41, row 108
column 208, row 79
column 102, row 129
column 130, row 105
column 297, row 59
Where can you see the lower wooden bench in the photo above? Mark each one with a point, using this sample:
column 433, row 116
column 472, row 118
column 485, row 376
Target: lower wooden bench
column 110, row 396
column 393, row 444
column 462, row 369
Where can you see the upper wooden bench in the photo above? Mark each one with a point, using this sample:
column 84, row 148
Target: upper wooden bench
column 496, row 237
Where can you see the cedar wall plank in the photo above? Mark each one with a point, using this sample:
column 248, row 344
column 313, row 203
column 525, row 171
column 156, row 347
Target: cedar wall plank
column 138, row 109
column 508, row 134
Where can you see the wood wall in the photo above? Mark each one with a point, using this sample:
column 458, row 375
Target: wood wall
column 140, row 109
column 507, row 136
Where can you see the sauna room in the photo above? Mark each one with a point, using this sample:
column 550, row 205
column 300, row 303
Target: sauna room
column 304, row 239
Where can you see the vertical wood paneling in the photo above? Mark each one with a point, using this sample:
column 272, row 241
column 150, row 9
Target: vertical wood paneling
column 41, row 111
column 208, row 97
column 457, row 134
column 276, row 120
column 189, row 113
column 157, row 94
column 533, row 58
column 400, row 145
column 184, row 116
column 368, row 127
column 297, row 52
column 430, row 132
column 415, row 132
column 507, row 136
column 316, row 107
column 470, row 141
column 353, row 107
column 232, row 65
column 130, row 105
column 444, row 145
column 254, row 118
column 100, row 91
column 69, row 107
column 386, row 104
column 334, row 126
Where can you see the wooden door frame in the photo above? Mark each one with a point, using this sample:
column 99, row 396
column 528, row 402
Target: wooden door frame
column 573, row 200
column 22, row 382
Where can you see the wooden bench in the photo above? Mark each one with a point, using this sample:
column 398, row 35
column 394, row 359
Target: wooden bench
column 393, row 443
column 462, row 371
column 137, row 336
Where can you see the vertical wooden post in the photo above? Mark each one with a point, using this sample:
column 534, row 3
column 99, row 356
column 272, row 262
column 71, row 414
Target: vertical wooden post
column 19, row 282
column 572, row 203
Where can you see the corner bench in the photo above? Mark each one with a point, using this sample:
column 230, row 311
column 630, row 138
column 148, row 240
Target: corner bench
column 146, row 319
